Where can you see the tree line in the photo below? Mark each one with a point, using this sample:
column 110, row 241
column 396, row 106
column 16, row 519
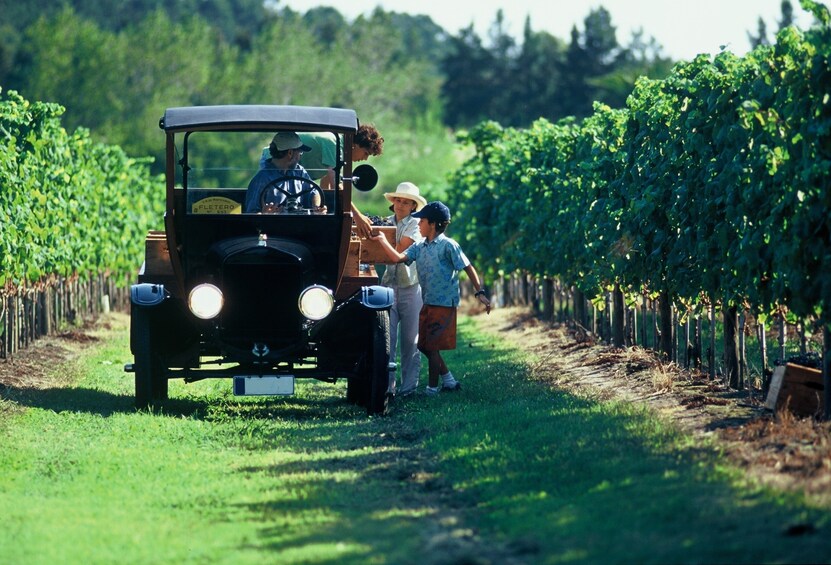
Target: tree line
column 116, row 66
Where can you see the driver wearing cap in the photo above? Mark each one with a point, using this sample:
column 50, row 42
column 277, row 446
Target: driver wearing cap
column 281, row 177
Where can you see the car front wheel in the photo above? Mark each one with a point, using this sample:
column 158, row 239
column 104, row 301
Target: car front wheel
column 151, row 381
column 377, row 361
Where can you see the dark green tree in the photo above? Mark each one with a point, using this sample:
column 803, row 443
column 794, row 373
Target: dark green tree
column 326, row 23
column 640, row 58
column 536, row 78
column 574, row 92
column 468, row 71
column 421, row 38
column 70, row 60
column 787, row 14
column 599, row 42
column 502, row 47
column 761, row 37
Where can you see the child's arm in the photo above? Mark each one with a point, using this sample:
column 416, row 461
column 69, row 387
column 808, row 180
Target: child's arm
column 395, row 256
column 477, row 284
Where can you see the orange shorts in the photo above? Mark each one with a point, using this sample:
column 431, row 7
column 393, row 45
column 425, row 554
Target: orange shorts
column 436, row 328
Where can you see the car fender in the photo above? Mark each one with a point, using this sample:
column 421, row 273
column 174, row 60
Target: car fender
column 148, row 294
column 377, row 297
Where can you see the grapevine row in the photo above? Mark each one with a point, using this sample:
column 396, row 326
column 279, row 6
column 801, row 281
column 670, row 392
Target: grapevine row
column 69, row 206
column 73, row 215
column 711, row 185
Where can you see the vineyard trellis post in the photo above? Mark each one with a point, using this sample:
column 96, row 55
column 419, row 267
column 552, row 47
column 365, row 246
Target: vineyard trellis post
column 761, row 333
column 783, row 336
column 826, row 368
column 547, row 299
column 731, row 354
column 743, row 377
column 618, row 317
column 711, row 354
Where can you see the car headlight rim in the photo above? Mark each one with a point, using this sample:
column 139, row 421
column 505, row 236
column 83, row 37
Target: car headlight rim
column 316, row 302
column 205, row 301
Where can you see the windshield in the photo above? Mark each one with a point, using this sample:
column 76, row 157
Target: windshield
column 258, row 172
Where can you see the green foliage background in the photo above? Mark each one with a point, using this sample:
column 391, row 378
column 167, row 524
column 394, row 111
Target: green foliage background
column 69, row 206
column 116, row 67
column 618, row 179
column 712, row 184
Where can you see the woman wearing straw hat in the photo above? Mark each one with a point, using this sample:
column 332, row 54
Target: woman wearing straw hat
column 404, row 280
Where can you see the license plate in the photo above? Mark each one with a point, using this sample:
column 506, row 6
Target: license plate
column 266, row 385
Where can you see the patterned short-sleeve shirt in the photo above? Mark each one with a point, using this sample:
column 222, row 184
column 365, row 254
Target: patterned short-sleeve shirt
column 438, row 262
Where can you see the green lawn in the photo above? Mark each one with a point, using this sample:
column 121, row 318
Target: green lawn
column 505, row 468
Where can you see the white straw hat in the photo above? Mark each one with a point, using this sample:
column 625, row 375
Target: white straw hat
column 407, row 190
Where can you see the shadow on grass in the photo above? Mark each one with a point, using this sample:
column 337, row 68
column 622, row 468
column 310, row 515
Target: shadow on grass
column 104, row 403
column 544, row 476
column 62, row 399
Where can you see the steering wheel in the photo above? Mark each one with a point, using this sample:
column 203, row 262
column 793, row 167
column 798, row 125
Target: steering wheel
column 311, row 186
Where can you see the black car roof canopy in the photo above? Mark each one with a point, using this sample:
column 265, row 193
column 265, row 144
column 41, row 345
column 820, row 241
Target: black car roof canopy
column 256, row 117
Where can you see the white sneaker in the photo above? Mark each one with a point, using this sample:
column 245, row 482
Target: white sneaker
column 430, row 391
column 449, row 382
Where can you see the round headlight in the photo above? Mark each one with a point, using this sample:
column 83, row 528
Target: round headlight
column 316, row 302
column 205, row 301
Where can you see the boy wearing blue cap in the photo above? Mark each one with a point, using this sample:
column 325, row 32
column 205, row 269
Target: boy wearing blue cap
column 439, row 259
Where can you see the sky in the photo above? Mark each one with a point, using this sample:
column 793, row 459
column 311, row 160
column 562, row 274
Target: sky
column 684, row 28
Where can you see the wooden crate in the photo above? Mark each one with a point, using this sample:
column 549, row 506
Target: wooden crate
column 371, row 251
column 354, row 277
column 798, row 388
column 157, row 255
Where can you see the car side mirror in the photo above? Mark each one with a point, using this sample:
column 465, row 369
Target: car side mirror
column 364, row 177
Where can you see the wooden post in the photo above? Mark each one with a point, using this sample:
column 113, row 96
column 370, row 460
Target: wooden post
column 803, row 342
column 618, row 313
column 731, row 349
column 607, row 319
column 687, row 344
column 763, row 345
column 594, row 319
column 675, row 333
column 581, row 308
column 504, row 283
column 4, row 325
column 547, row 299
column 826, row 369
column 783, row 337
column 656, row 333
column 697, row 347
column 742, row 357
column 711, row 357
column 665, row 306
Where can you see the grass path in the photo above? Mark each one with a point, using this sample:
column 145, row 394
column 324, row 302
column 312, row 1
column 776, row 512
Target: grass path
column 505, row 471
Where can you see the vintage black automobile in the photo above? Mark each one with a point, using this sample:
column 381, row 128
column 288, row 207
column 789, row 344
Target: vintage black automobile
column 260, row 298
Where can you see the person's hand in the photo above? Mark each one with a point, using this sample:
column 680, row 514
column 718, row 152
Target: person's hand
column 484, row 300
column 362, row 225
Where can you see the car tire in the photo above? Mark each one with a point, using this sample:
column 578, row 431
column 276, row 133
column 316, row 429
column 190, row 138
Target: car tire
column 151, row 381
column 355, row 391
column 378, row 360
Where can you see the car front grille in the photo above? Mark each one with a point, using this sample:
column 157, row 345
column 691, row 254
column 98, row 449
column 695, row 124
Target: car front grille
column 261, row 304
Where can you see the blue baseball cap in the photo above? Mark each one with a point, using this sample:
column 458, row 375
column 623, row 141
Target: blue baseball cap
column 435, row 211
